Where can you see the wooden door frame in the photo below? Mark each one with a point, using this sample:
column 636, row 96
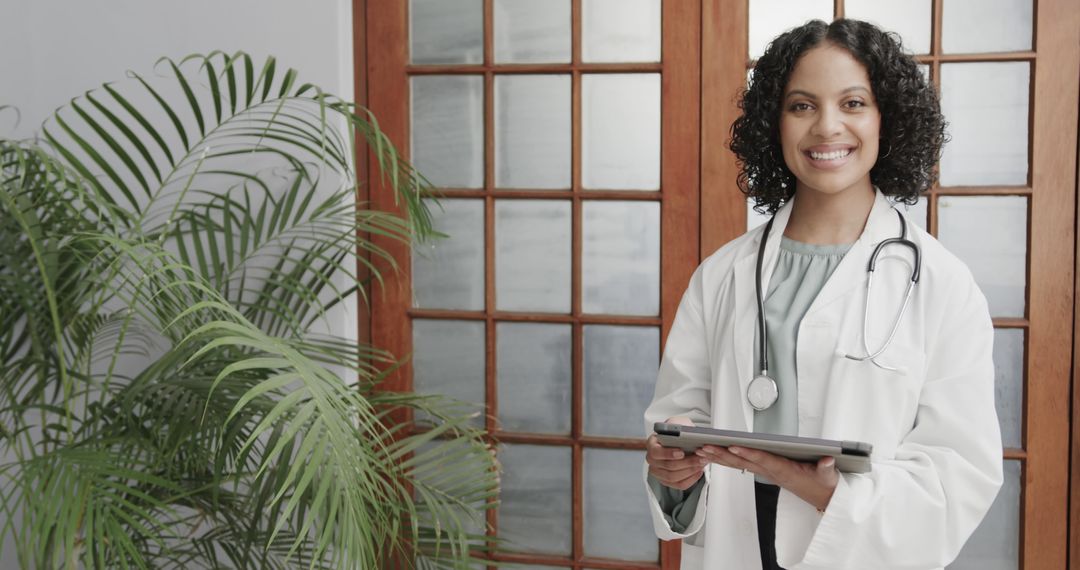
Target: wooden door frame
column 1051, row 506
column 1051, row 327
column 380, row 29
column 1052, row 284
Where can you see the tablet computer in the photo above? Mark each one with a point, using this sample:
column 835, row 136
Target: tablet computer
column 851, row 456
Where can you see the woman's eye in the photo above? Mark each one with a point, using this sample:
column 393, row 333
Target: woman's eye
column 800, row 107
column 854, row 104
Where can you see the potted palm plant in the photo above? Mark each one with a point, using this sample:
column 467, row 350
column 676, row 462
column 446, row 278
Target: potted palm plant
column 171, row 395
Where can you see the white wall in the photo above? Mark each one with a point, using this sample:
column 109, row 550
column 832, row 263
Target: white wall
column 54, row 50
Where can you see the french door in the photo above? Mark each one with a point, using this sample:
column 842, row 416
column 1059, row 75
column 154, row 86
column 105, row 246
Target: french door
column 563, row 136
column 580, row 149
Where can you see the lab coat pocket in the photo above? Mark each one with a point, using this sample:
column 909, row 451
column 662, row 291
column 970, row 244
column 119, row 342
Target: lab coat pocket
column 878, row 405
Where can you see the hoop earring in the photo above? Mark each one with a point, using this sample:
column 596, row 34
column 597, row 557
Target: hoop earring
column 886, row 152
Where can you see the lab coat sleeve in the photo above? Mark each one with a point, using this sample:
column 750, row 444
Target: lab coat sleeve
column 683, row 389
column 917, row 509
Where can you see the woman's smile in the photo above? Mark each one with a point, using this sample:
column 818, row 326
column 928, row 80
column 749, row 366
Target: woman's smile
column 829, row 157
column 830, row 123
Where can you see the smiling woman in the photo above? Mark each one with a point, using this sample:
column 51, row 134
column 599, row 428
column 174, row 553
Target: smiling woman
column 836, row 122
column 792, row 82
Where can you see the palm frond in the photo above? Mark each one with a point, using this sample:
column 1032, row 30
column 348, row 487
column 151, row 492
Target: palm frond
column 173, row 244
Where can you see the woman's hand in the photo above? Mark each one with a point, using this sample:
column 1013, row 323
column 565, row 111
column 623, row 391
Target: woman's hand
column 812, row 483
column 670, row 465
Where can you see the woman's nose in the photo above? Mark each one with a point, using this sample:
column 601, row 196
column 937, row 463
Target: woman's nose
column 828, row 123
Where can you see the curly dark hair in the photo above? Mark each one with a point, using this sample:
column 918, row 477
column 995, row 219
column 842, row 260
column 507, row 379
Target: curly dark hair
column 912, row 126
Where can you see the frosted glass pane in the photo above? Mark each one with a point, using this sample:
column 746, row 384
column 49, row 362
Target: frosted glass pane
column 1009, row 384
column 620, row 31
column 535, row 509
column 446, row 31
column 532, row 131
column 620, row 258
column 754, row 219
column 621, row 131
column 448, row 129
column 996, row 543
column 527, row 31
column 986, row 105
column 910, row 18
column 448, row 359
column 970, row 26
column 620, row 377
column 617, row 521
column 533, row 371
column 532, row 255
column 915, row 215
column 449, row 273
column 770, row 18
column 989, row 233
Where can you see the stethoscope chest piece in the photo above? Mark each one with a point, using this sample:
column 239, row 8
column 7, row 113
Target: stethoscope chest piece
column 762, row 392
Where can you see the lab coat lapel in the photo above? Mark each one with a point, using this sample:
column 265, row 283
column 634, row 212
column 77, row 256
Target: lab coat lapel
column 745, row 309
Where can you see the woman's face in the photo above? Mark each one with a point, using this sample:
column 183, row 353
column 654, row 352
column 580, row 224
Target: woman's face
column 830, row 123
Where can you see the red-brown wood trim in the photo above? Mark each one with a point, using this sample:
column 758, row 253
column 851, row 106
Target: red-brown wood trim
column 984, row 190
column 583, row 562
column 577, row 468
column 1074, row 463
column 680, row 160
column 606, row 442
column 724, row 54
column 1011, row 323
column 512, row 193
column 680, row 133
column 976, row 57
column 491, row 386
column 1014, row 453
column 386, row 45
column 587, row 319
column 1051, row 286
column 533, row 68
column 934, row 61
column 360, row 97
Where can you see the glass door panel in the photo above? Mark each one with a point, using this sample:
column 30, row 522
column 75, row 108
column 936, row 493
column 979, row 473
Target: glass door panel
column 446, row 31
column 620, row 31
column 527, row 31
column 972, row 26
column 543, row 127
column 910, row 19
column 987, row 108
column 769, row 18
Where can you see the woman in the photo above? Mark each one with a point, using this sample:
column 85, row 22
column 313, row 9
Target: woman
column 837, row 124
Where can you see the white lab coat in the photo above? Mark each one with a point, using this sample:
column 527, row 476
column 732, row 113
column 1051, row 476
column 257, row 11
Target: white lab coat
column 937, row 459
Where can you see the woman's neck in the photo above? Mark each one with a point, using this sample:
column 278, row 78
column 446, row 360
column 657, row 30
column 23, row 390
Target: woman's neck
column 829, row 219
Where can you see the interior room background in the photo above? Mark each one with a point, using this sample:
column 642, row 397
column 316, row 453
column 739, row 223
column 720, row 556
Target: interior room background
column 580, row 149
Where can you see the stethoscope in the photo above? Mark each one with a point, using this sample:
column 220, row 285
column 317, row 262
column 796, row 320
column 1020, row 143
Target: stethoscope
column 762, row 391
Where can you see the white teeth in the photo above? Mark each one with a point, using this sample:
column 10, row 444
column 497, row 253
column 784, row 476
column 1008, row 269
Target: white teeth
column 830, row 155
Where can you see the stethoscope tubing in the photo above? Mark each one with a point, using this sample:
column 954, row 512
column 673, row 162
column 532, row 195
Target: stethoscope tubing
column 763, row 340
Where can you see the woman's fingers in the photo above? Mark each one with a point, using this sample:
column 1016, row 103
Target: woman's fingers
column 684, row 484
column 668, row 476
column 723, row 456
column 654, row 450
column 813, row 483
column 672, row 466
